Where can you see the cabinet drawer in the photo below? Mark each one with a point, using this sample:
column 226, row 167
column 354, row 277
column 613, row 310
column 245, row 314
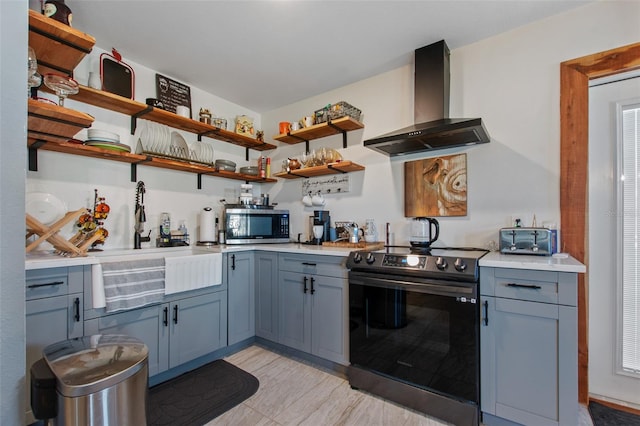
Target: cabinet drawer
column 534, row 286
column 51, row 282
column 333, row 266
column 47, row 283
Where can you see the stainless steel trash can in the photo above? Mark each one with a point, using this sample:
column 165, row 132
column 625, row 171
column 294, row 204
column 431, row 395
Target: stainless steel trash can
column 100, row 380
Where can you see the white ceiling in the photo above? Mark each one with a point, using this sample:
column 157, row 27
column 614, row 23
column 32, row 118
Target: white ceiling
column 267, row 54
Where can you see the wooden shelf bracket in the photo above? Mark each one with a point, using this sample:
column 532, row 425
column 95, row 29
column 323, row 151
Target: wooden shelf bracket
column 33, row 154
column 134, row 118
column 332, row 167
column 134, row 168
column 340, row 130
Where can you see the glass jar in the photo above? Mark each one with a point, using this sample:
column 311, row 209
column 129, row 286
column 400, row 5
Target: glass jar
column 370, row 231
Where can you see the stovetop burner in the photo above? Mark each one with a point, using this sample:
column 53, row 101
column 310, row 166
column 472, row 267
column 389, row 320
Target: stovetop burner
column 447, row 263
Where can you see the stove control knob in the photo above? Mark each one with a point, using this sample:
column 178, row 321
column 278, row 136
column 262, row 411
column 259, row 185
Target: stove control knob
column 460, row 265
column 357, row 257
column 441, row 263
column 370, row 258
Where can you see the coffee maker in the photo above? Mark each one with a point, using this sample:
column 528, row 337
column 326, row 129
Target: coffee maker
column 321, row 217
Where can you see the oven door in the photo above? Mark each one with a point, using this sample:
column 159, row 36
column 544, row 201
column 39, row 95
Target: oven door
column 422, row 332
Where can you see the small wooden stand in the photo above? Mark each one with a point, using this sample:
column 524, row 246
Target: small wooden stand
column 377, row 245
column 76, row 246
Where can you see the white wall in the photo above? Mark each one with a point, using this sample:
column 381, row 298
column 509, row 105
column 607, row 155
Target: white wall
column 512, row 82
column 13, row 111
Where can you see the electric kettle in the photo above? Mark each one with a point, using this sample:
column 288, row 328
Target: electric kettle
column 424, row 232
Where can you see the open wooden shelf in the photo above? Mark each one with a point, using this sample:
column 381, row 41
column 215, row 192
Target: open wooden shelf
column 136, row 109
column 142, row 159
column 327, row 169
column 59, row 48
column 321, row 130
column 53, row 122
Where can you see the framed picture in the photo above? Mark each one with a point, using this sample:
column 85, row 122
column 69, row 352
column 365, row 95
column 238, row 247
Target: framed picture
column 436, row 186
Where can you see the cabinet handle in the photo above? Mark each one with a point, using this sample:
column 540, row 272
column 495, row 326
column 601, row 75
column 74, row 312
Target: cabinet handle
column 76, row 309
column 46, row 284
column 308, row 264
column 233, row 262
column 165, row 316
column 530, row 286
column 304, row 290
column 486, row 313
column 175, row 314
column 313, row 290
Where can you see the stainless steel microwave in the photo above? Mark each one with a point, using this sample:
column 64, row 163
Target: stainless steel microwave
column 255, row 226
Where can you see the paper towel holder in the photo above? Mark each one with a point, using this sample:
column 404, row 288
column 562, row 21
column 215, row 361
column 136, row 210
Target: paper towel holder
column 208, row 224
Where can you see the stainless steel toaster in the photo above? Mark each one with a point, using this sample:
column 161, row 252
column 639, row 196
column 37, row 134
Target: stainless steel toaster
column 536, row 241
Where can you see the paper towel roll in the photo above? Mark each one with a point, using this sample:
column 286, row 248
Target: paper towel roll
column 207, row 225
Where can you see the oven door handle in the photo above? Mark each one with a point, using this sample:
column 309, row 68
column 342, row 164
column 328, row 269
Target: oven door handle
column 422, row 287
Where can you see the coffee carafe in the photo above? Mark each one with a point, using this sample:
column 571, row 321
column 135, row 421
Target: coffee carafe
column 424, row 232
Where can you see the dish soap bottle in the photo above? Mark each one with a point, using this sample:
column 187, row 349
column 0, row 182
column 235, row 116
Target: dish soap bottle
column 184, row 234
column 165, row 226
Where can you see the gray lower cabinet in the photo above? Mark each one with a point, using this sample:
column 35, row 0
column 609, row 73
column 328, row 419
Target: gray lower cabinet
column 240, row 270
column 313, row 305
column 198, row 326
column 266, row 285
column 54, row 313
column 149, row 324
column 175, row 332
column 528, row 336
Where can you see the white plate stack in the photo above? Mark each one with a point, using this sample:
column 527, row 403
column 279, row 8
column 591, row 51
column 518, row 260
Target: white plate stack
column 105, row 140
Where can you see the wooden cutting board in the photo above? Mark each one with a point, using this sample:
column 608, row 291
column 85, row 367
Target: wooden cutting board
column 360, row 245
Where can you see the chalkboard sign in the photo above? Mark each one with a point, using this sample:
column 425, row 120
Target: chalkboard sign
column 172, row 93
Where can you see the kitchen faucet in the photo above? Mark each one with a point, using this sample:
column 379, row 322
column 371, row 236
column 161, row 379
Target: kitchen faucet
column 140, row 218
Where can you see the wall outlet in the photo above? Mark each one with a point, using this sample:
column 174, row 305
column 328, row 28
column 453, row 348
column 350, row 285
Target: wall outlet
column 525, row 220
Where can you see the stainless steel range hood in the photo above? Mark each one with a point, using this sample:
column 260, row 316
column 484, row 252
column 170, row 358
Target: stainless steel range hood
column 434, row 129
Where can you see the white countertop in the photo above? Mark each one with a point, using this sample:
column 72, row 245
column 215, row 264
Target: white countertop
column 541, row 263
column 43, row 260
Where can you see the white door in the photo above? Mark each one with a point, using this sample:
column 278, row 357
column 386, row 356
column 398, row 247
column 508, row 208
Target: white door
column 606, row 381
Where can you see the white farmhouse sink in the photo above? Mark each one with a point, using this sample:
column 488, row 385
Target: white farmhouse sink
column 189, row 272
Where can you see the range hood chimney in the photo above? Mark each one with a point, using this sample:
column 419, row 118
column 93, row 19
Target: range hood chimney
column 433, row 129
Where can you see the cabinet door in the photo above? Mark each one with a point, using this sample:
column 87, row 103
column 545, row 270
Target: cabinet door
column 146, row 324
column 329, row 319
column 519, row 355
column 241, row 289
column 198, row 326
column 294, row 313
column 267, row 295
column 47, row 322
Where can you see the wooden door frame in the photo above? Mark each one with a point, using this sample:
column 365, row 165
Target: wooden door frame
column 574, row 171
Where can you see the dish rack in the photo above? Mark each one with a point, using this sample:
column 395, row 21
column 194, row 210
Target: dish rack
column 171, row 152
column 337, row 110
column 75, row 246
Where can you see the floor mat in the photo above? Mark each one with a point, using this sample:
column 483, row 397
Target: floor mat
column 200, row 395
column 607, row 416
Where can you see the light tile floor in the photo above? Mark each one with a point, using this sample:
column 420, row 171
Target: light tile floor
column 295, row 393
